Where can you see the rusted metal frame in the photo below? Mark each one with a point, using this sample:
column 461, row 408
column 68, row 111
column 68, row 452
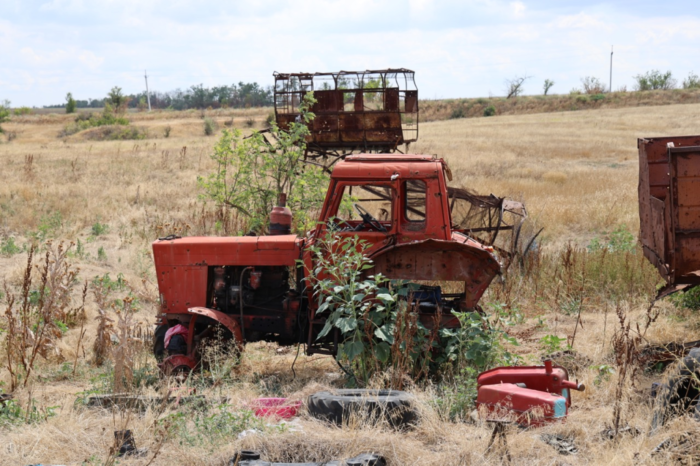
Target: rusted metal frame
column 498, row 225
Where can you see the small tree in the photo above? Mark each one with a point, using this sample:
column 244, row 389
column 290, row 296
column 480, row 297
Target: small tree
column 117, row 100
column 252, row 172
column 548, row 83
column 592, row 85
column 654, row 80
column 514, row 87
column 692, row 81
column 142, row 105
column 70, row 103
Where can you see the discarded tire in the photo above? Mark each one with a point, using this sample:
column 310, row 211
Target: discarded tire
column 680, row 394
column 337, row 407
column 159, row 342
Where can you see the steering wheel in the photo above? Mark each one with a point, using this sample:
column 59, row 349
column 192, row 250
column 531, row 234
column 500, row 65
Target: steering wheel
column 368, row 219
column 340, row 225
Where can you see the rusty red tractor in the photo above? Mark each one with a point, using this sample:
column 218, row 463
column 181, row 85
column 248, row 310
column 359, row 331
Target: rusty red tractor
column 418, row 229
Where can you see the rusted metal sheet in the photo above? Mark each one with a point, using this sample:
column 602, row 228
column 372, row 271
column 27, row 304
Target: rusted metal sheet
column 371, row 111
column 440, row 260
column 669, row 208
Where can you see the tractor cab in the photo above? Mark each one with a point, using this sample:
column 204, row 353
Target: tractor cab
column 387, row 199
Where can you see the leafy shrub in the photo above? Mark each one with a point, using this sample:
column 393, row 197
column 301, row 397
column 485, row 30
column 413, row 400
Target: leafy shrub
column 92, row 120
column 12, row 413
column 551, row 343
column 457, row 113
column 200, row 428
column 489, row 111
column 99, row 229
column 582, row 99
column 654, row 79
column 692, row 81
column 378, row 329
column 22, row 111
column 592, row 85
column 597, row 97
column 619, row 239
column 8, row 247
column 70, row 103
column 116, row 133
column 49, row 224
column 689, row 299
column 210, row 126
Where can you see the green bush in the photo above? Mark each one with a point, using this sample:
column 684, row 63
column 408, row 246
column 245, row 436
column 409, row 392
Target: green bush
column 92, row 120
column 8, row 247
column 653, row 80
column 692, row 81
column 618, row 240
column 70, row 103
column 457, row 113
column 99, row 229
column 201, row 428
column 12, row 413
column 597, row 97
column 370, row 315
column 22, row 111
column 689, row 299
column 210, row 126
column 489, row 111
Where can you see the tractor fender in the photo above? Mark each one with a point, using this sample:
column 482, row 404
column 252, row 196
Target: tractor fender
column 224, row 319
column 434, row 259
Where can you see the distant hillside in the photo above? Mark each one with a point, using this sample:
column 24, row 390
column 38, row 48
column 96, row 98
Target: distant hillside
column 434, row 110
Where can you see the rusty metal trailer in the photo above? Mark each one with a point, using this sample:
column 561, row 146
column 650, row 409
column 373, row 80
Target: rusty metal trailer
column 373, row 111
column 669, row 208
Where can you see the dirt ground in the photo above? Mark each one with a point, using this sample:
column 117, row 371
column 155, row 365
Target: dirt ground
column 576, row 172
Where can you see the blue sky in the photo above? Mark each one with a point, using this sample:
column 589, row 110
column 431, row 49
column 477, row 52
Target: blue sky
column 457, row 48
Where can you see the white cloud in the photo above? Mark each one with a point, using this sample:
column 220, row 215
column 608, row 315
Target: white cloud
column 518, row 8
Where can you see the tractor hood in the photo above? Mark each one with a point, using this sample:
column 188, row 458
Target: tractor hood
column 236, row 250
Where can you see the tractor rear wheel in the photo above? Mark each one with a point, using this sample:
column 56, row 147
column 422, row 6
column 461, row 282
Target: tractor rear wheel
column 159, row 342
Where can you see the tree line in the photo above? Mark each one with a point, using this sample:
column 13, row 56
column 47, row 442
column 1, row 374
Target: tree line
column 649, row 81
column 241, row 95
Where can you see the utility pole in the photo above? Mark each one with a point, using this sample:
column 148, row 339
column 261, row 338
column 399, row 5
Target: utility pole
column 611, row 55
column 148, row 94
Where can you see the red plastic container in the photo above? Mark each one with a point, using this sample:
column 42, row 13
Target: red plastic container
column 523, row 405
column 275, row 407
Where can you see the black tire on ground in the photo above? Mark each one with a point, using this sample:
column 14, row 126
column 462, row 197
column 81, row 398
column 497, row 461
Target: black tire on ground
column 159, row 342
column 338, row 406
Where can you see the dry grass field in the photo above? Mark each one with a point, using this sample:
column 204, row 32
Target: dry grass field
column 576, row 172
